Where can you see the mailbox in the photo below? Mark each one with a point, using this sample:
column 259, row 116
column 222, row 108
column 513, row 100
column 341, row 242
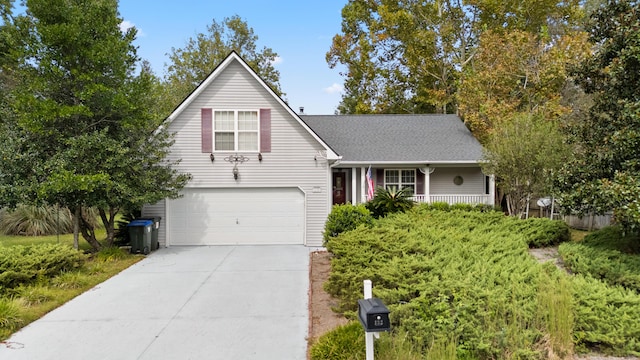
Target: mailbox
column 373, row 315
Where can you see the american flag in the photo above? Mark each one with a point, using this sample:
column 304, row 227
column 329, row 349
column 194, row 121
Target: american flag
column 369, row 184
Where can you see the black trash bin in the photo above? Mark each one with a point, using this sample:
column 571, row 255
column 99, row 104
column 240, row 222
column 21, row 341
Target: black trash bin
column 140, row 235
column 155, row 245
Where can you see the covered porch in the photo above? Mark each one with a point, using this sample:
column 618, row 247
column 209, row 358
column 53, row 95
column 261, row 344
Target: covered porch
column 450, row 183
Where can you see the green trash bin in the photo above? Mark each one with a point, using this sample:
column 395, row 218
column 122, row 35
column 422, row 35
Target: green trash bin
column 155, row 245
column 140, row 235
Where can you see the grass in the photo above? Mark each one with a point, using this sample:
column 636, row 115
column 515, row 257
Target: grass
column 29, row 303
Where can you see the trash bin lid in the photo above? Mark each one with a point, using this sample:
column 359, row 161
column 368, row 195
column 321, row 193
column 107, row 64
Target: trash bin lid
column 140, row 222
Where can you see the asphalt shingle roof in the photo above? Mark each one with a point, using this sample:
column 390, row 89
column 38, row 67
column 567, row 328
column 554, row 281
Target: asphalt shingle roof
column 402, row 138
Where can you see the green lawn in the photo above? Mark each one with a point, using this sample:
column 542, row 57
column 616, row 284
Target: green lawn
column 27, row 303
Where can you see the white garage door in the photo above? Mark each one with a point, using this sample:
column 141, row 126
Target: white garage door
column 236, row 216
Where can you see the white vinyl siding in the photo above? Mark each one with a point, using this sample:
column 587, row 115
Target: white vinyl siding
column 290, row 163
column 442, row 181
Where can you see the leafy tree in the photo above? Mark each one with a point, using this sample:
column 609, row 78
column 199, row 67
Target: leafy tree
column 518, row 72
column 408, row 56
column 524, row 154
column 605, row 174
column 190, row 65
column 84, row 134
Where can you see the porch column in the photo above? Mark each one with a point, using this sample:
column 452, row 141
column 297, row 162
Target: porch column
column 363, row 190
column 492, row 190
column 354, row 186
column 427, row 183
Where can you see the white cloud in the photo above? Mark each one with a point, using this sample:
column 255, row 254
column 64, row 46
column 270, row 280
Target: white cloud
column 126, row 25
column 334, row 88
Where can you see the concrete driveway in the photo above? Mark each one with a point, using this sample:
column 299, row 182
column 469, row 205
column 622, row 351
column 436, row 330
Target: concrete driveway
column 218, row 302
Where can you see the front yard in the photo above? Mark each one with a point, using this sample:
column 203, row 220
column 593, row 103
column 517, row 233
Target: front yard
column 462, row 285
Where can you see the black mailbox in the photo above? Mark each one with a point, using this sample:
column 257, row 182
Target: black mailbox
column 373, row 315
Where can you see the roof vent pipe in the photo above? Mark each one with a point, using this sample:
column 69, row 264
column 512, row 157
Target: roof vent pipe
column 301, row 110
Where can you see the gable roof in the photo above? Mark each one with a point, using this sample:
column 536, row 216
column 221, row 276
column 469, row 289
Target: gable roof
column 233, row 56
column 398, row 139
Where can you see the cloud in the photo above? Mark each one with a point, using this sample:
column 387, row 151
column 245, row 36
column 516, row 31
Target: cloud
column 126, row 25
column 334, row 88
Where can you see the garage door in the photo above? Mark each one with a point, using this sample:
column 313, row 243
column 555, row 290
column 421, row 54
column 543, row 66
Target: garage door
column 237, row 216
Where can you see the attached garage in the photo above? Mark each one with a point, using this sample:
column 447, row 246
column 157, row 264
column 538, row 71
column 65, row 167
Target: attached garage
column 243, row 216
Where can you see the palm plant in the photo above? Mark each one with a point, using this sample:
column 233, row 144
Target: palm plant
column 391, row 200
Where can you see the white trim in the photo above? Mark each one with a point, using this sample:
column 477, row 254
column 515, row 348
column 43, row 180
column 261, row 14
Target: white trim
column 233, row 56
column 236, row 130
column 410, row 163
column 354, row 186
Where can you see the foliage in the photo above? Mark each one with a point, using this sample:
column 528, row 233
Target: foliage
column 344, row 218
column 25, row 264
column 79, row 89
column 518, row 73
column 189, row 66
column 606, row 317
column 30, row 220
column 524, row 154
column 540, row 232
column 607, row 255
column 605, row 173
column 389, row 201
column 343, row 343
column 410, row 56
column 464, row 279
column 9, row 313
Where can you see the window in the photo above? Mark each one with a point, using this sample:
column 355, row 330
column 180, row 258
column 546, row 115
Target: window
column 235, row 130
column 400, row 179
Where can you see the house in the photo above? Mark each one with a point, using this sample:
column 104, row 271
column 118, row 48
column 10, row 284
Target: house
column 262, row 174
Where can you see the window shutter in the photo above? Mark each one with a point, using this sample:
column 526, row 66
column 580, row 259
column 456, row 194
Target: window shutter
column 265, row 130
column 206, row 130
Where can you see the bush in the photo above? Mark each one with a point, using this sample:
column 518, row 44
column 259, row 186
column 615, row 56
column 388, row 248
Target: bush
column 344, row 218
column 541, row 232
column 607, row 255
column 30, row 220
column 345, row 342
column 390, row 201
column 25, row 264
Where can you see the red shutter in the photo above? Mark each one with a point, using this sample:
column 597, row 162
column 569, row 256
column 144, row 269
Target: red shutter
column 265, row 130
column 206, row 130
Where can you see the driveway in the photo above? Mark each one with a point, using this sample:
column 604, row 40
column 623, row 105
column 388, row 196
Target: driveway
column 217, row 302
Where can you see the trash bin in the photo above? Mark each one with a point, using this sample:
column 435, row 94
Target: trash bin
column 155, row 245
column 140, row 235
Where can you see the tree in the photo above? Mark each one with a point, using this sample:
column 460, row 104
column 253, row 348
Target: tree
column 84, row 134
column 524, row 154
column 518, row 72
column 408, row 56
column 605, row 175
column 190, row 65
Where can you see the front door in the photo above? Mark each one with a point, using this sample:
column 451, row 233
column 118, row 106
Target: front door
column 339, row 193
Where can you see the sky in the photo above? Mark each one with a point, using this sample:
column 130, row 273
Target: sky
column 300, row 32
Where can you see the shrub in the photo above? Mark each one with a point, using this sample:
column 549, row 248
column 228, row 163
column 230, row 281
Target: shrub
column 389, row 201
column 344, row 218
column 344, row 343
column 9, row 314
column 541, row 232
column 25, row 264
column 607, row 255
column 31, row 220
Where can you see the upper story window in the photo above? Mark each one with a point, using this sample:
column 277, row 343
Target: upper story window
column 400, row 179
column 235, row 130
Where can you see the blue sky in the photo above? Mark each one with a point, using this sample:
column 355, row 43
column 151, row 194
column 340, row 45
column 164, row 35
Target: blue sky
column 299, row 31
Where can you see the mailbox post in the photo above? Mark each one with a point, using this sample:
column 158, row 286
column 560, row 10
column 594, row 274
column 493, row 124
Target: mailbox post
column 374, row 317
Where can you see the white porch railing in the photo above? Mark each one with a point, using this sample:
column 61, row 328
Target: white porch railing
column 454, row 199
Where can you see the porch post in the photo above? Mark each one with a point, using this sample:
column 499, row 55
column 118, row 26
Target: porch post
column 492, row 190
column 354, row 186
column 427, row 180
column 363, row 190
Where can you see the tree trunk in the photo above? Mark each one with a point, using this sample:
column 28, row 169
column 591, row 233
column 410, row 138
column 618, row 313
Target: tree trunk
column 109, row 224
column 76, row 227
column 89, row 234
